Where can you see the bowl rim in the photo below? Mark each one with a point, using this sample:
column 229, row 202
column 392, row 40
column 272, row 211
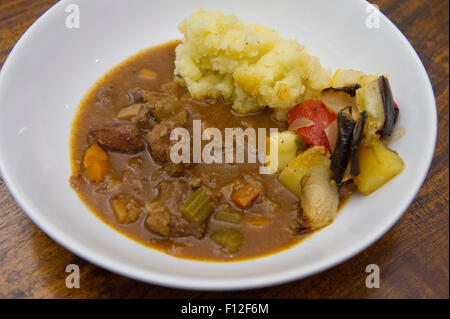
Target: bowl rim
column 207, row 284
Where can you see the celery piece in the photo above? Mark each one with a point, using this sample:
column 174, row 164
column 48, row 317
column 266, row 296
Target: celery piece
column 228, row 238
column 197, row 208
column 228, row 216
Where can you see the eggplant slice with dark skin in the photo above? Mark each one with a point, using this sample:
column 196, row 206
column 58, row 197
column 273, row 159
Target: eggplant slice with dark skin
column 349, row 138
column 397, row 113
column 342, row 151
column 350, row 90
column 357, row 138
column 390, row 112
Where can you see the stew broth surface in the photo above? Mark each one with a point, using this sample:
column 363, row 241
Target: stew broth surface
column 268, row 226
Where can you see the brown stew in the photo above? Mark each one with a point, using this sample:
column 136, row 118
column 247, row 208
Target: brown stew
column 121, row 171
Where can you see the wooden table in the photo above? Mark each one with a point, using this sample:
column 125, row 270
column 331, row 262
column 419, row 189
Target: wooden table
column 413, row 256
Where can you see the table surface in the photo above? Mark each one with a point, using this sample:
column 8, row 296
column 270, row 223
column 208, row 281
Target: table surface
column 413, row 255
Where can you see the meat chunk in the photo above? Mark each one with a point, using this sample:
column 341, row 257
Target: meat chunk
column 77, row 181
column 158, row 219
column 112, row 187
column 319, row 198
column 173, row 194
column 164, row 106
column 170, row 87
column 159, row 140
column 138, row 95
column 144, row 118
column 119, row 137
column 132, row 182
column 215, row 196
column 160, row 144
column 103, row 95
column 165, row 212
column 194, row 181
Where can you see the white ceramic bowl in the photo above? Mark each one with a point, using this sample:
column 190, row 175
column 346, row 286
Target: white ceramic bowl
column 52, row 66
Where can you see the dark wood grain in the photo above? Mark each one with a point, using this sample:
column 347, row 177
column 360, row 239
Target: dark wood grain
column 413, row 256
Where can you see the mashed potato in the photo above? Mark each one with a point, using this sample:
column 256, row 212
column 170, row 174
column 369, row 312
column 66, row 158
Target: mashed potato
column 247, row 64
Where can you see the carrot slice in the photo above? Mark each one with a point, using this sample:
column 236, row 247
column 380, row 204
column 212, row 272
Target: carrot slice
column 96, row 164
column 244, row 195
column 147, row 74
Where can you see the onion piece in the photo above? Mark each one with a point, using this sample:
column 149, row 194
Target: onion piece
column 336, row 100
column 300, row 123
column 331, row 132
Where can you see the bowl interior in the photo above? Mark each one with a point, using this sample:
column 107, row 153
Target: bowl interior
column 52, row 66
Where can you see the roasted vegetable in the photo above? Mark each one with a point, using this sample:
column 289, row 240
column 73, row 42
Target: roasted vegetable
column 375, row 97
column 397, row 112
column 344, row 78
column 300, row 123
column 292, row 174
column 390, row 112
column 244, row 195
column 290, row 178
column 357, row 138
column 341, row 154
column 129, row 112
column 369, row 99
column 317, row 112
column 229, row 238
column 378, row 164
column 319, row 198
column 96, row 164
column 287, row 144
column 350, row 90
column 331, row 133
column 197, row 208
column 337, row 99
column 228, row 216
